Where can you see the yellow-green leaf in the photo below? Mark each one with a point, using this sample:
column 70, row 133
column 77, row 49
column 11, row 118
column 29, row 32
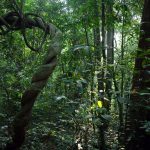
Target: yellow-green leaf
column 100, row 104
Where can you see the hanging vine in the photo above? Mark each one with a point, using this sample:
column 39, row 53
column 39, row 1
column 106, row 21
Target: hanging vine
column 17, row 20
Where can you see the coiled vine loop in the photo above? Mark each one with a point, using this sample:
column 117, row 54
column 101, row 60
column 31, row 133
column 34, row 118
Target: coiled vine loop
column 17, row 21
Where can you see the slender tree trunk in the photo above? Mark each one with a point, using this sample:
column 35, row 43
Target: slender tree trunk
column 137, row 133
column 120, row 103
column 102, row 128
column 110, row 51
column 97, row 44
column 122, row 70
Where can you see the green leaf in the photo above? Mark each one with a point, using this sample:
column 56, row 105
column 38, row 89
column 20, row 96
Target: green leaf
column 106, row 117
column 78, row 47
column 61, row 98
column 142, row 94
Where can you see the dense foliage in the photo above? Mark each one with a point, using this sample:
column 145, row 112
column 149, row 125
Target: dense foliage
column 86, row 100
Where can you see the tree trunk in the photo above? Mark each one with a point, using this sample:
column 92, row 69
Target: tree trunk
column 110, row 51
column 102, row 127
column 137, row 131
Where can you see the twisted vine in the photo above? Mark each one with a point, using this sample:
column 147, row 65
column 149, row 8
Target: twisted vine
column 12, row 21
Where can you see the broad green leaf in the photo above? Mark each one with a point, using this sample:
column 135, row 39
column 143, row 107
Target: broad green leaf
column 106, row 117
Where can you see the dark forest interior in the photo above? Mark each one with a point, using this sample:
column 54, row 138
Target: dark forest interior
column 75, row 75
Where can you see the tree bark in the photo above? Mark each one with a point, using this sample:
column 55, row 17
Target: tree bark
column 137, row 135
column 110, row 50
